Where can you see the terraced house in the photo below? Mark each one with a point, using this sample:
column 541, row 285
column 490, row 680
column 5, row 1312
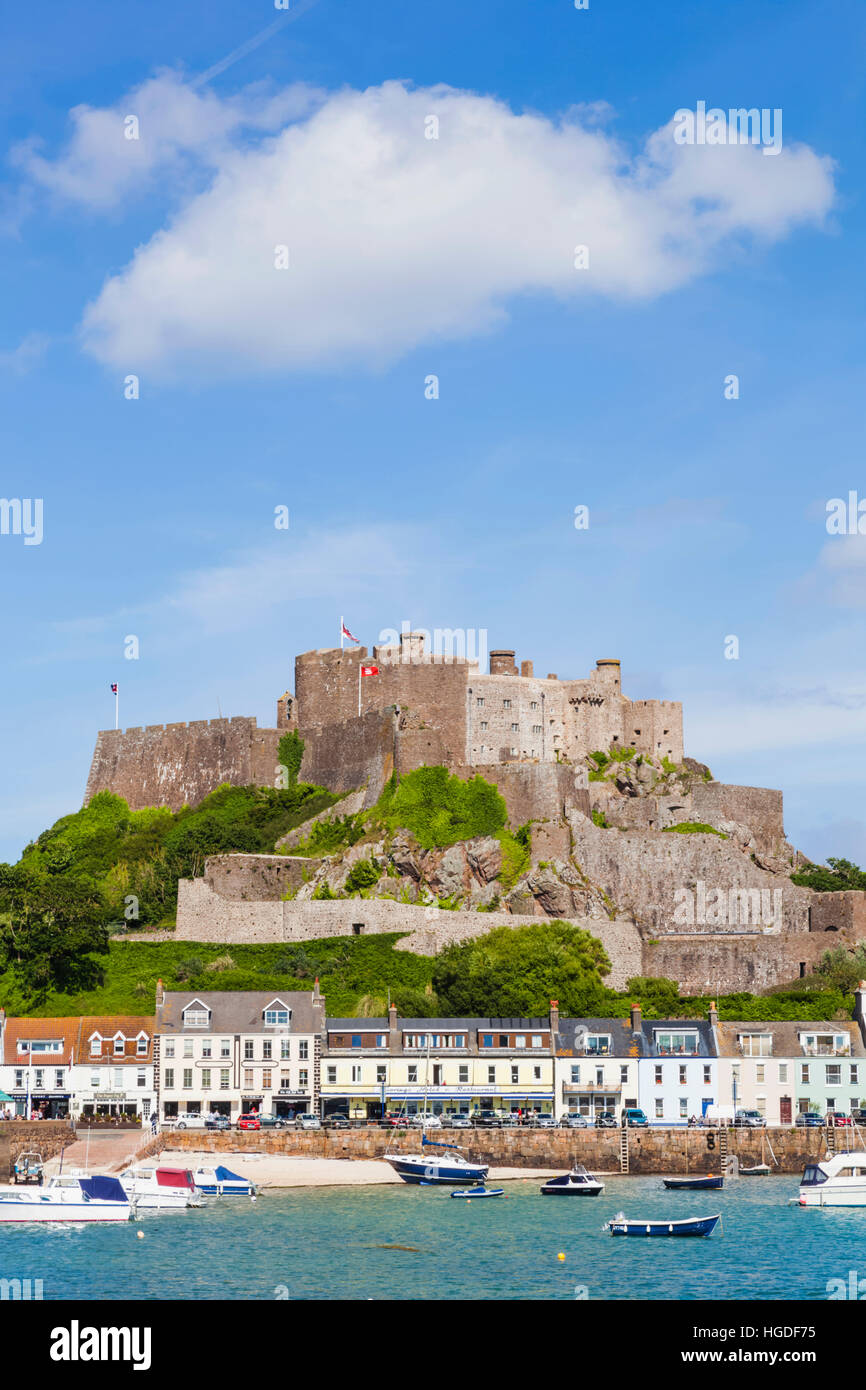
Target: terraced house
column 237, row 1051
column 79, row 1067
column 784, row 1069
column 372, row 1066
column 595, row 1066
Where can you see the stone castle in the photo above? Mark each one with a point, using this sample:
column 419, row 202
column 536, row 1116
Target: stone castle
column 602, row 852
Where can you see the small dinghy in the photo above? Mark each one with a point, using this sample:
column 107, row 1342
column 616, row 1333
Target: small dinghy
column 756, row 1170
column 684, row 1184
column 619, row 1225
column 577, row 1183
column 480, row 1191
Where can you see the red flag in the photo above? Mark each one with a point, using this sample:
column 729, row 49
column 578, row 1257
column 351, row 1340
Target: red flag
column 369, row 670
column 347, row 633
column 114, row 690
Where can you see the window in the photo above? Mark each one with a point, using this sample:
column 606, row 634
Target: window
column 756, row 1044
column 194, row 1017
column 381, row 1073
column 854, row 1077
column 575, row 1074
column 480, row 701
column 169, row 1078
column 249, row 1079
column 118, row 1079
column 266, row 1079
column 684, row 1107
column 520, row 1040
column 304, row 1049
column 19, row 1079
column 277, row 1018
column 205, row 1079
column 141, row 1047
column 660, row 1108
column 783, row 1072
column 536, row 728
column 462, row 1075
column 707, row 1076
column 514, row 1076
column 119, row 1047
column 506, row 704
column 225, row 1047
column 533, row 704
column 356, row 1039
column 623, row 1075
column 187, row 1078
column 413, row 1072
column 491, row 1076
column 536, row 1073
column 514, row 752
column 206, row 1047
column 95, row 1047
column 331, row 1075
column 658, row 1074
column 599, row 1076
column 168, row 1050
column 356, row 1074
column 514, row 728
column 266, row 1050
column 804, row 1073
column 225, row 1078
column 94, row 1081
column 679, row 1042
column 834, row 1075
column 58, row 1079
column 759, row 1074
column 188, row 1047
column 303, row 1078
column 682, row 1076
column 536, row 1040
column 141, row 1077
column 484, row 726
column 40, row 1078
column 285, row 1049
column 248, row 1049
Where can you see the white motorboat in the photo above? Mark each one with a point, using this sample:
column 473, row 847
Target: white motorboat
column 66, row 1198
column 578, row 1183
column 222, row 1182
column 837, row 1181
column 436, row 1168
column 159, row 1189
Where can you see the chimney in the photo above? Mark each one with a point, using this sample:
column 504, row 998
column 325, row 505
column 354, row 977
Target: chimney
column 552, row 676
column 502, row 662
column 160, row 994
column 526, row 668
column 393, row 1031
column 713, row 1015
column 318, row 1002
column 554, row 1020
column 636, row 1018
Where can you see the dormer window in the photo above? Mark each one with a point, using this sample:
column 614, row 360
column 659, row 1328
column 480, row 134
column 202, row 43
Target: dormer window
column 196, row 1015
column 277, row 1015
column 119, row 1047
column 96, row 1046
column 141, row 1046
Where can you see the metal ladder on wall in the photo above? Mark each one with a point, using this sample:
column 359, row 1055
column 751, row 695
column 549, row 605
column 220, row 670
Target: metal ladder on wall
column 831, row 1139
column 623, row 1150
column 723, row 1148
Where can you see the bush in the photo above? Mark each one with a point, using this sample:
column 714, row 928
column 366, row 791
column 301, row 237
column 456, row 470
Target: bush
column 693, row 827
column 365, row 874
column 439, row 809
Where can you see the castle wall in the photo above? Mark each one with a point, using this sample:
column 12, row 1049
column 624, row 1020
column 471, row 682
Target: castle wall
column 708, row 803
column 534, row 791
column 205, row 915
column 177, row 764
column 243, row 877
column 725, row 965
column 352, row 754
column 838, row 912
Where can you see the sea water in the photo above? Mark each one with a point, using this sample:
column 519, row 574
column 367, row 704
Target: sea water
column 388, row 1242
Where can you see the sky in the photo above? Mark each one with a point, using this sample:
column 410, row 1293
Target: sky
column 325, row 263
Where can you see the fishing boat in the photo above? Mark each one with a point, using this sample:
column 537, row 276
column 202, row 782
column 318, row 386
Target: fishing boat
column 222, row 1182
column 436, row 1168
column 839, row 1181
column 577, row 1183
column 479, row 1191
column 710, row 1180
column 160, row 1189
column 66, row 1198
column 619, row 1225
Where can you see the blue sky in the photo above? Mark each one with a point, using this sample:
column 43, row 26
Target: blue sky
column 410, row 257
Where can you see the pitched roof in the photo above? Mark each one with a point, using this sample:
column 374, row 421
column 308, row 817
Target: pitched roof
column 237, row 1011
column 108, row 1026
column 30, row 1030
column 786, row 1036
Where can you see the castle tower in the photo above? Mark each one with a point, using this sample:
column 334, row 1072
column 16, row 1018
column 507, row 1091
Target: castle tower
column 286, row 711
column 502, row 663
column 608, row 675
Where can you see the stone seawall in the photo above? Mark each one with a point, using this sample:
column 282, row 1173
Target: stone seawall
column 649, row 1151
column 203, row 915
column 47, row 1137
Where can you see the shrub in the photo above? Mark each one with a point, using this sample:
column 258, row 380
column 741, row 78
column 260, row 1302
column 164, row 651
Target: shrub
column 693, row 827
column 439, row 809
column 365, row 874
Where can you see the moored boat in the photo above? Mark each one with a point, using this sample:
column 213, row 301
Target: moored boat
column 160, row 1189
column 837, row 1181
column 66, row 1198
column 436, row 1168
column 755, row 1170
column 578, row 1183
column 710, row 1180
column 620, row 1225
column 479, row 1191
column 222, row 1182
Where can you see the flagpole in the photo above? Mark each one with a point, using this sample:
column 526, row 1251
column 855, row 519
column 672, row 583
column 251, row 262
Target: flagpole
column 341, row 633
column 117, row 708
column 359, row 689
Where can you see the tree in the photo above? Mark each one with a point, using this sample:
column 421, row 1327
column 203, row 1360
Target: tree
column 516, row 971
column 842, row 876
column 843, row 970
column 51, row 933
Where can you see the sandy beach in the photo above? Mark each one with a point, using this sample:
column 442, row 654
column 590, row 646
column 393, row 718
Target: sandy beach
column 280, row 1170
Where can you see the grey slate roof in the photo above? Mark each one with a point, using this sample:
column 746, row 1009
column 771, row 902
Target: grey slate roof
column 236, row 1011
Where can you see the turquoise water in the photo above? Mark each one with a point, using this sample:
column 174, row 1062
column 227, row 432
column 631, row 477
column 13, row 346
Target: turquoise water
column 322, row 1244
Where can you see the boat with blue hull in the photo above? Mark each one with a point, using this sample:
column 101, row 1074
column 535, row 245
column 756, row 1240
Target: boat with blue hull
column 66, row 1198
column 578, row 1183
column 436, row 1168
column 620, row 1225
column 222, row 1182
column 480, row 1191
column 698, row 1184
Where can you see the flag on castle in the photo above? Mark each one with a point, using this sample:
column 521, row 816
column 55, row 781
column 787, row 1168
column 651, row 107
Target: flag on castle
column 114, row 689
column 369, row 670
column 344, row 632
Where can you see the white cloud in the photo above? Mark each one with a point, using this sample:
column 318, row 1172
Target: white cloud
column 396, row 240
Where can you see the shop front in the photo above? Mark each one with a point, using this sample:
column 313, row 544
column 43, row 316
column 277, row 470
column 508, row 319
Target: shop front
column 43, row 1105
column 288, row 1103
column 445, row 1101
column 111, row 1105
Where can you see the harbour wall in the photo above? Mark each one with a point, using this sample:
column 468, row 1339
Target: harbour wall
column 649, row 1151
column 47, row 1137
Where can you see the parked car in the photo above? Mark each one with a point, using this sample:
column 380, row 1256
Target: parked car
column 839, row 1118
column 422, row 1121
column 337, row 1122
column 749, row 1119
column 217, row 1122
column 574, row 1121
column 633, row 1117
column 457, row 1121
column 273, row 1121
column 247, row 1122
column 543, row 1122
column 606, row 1120
column 187, row 1122
column 858, row 1117
column 509, row 1119
column 809, row 1119
column 486, row 1119
column 307, row 1121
